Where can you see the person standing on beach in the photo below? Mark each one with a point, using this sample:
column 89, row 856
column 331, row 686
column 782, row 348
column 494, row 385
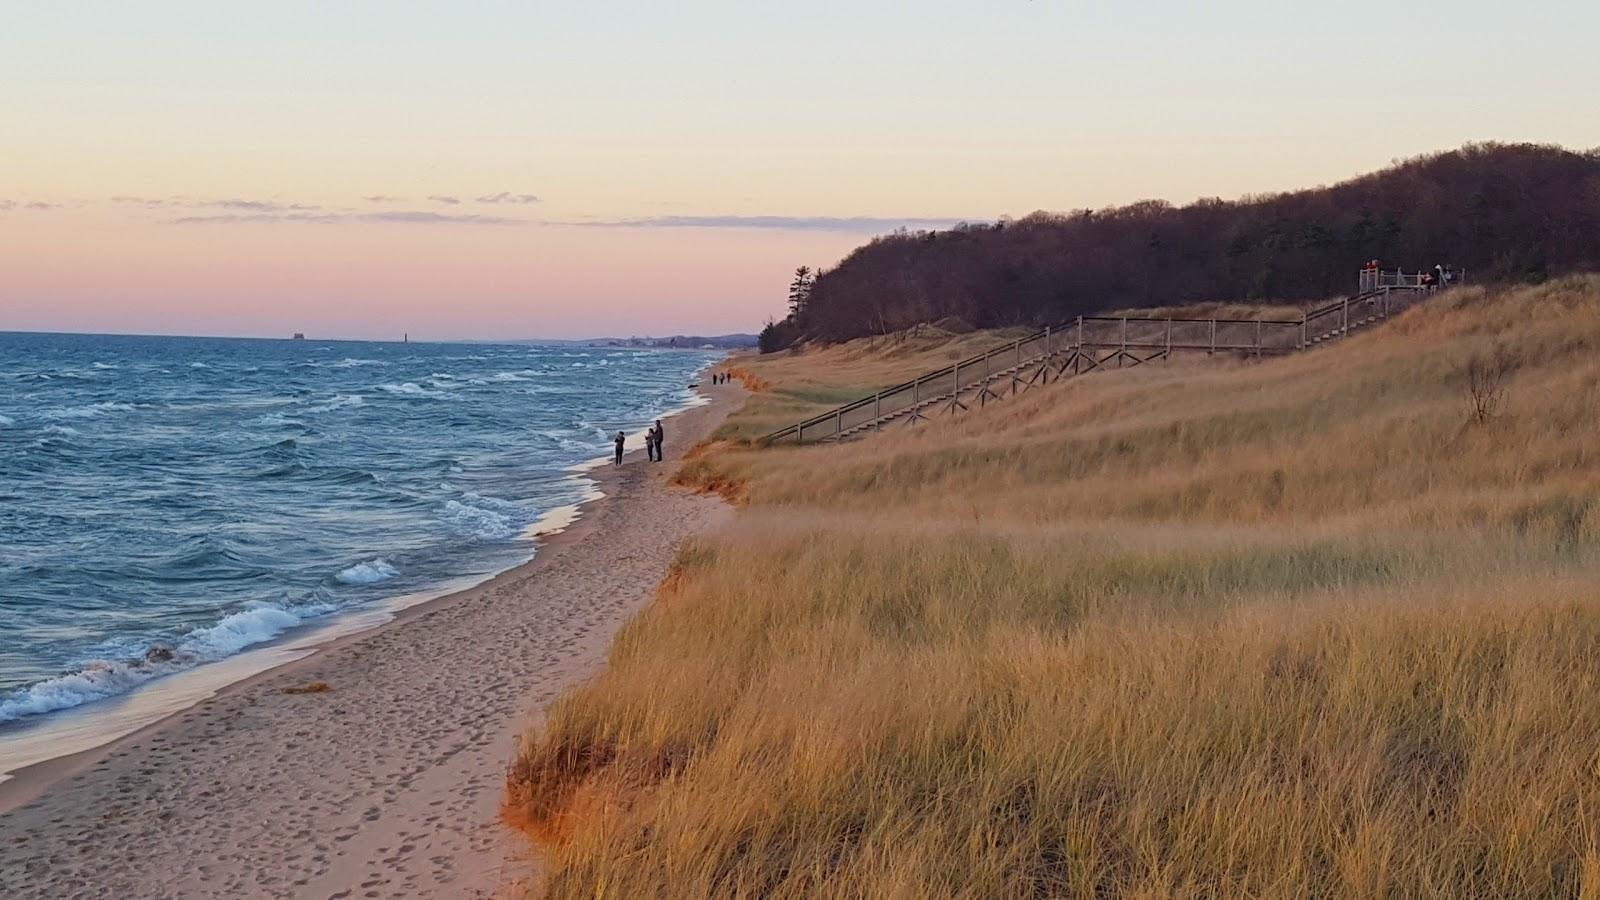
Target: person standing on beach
column 650, row 444
column 618, row 460
column 660, row 436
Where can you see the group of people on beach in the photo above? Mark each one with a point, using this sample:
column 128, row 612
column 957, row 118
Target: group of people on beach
column 652, row 443
column 720, row 377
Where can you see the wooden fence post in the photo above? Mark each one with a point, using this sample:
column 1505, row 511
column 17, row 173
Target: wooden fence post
column 1213, row 350
column 1124, row 351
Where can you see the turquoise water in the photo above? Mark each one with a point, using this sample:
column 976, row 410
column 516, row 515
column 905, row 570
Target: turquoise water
column 167, row 502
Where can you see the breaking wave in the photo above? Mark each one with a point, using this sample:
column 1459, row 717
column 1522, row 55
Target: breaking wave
column 370, row 572
column 101, row 678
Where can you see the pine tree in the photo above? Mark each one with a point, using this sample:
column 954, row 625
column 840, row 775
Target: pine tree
column 800, row 292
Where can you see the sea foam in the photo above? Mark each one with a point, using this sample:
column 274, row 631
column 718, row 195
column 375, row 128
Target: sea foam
column 410, row 389
column 370, row 572
column 92, row 411
column 486, row 518
column 100, row 678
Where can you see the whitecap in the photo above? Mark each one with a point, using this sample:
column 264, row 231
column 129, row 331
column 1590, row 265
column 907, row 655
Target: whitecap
column 370, row 572
column 257, row 623
column 93, row 410
column 339, row 401
column 351, row 363
column 410, row 389
column 97, row 680
column 7, row 421
column 62, row 430
column 103, row 366
column 485, row 517
column 100, row 678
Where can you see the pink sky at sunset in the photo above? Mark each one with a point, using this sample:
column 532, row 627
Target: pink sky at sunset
column 192, row 168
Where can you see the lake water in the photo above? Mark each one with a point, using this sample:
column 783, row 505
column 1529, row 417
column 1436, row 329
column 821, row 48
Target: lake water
column 168, row 502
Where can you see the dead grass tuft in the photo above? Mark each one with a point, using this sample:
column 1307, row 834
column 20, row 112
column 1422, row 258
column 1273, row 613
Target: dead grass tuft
column 315, row 687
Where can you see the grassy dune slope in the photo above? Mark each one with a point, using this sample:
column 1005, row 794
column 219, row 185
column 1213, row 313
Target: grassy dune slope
column 791, row 386
column 1295, row 628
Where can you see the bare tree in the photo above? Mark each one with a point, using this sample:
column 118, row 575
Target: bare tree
column 1483, row 379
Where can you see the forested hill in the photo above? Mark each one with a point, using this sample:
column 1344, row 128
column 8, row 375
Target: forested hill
column 1517, row 212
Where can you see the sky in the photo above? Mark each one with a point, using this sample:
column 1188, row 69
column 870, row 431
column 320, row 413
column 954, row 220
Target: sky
column 528, row 169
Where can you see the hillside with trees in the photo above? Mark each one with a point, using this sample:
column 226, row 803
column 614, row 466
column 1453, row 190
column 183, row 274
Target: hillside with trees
column 1500, row 212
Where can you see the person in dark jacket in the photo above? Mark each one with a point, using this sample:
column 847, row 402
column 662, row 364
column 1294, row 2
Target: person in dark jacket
column 661, row 435
column 618, row 460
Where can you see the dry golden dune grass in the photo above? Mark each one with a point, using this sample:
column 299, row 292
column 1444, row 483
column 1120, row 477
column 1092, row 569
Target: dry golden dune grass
column 1285, row 629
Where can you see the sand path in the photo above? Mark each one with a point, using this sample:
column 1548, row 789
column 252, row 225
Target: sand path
column 389, row 784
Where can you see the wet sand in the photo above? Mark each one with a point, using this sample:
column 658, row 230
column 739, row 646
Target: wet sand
column 389, row 784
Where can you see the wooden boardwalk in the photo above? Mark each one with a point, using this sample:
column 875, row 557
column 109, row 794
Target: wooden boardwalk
column 1100, row 342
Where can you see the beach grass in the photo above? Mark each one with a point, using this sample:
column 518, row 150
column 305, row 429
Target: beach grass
column 1305, row 627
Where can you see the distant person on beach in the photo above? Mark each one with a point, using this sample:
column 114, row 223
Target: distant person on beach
column 618, row 460
column 661, row 435
column 650, row 445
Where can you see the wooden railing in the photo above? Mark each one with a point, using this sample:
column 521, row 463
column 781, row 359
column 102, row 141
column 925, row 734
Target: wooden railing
column 1094, row 342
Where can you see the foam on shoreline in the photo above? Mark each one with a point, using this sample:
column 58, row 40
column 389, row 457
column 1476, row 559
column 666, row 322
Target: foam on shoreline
column 109, row 699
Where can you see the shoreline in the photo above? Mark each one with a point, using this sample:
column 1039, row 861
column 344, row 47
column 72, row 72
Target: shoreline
column 45, row 799
column 90, row 727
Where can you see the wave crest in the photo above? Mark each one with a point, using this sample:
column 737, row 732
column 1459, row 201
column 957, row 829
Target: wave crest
column 370, row 572
column 101, row 678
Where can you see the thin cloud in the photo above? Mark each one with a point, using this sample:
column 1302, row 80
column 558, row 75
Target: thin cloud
column 847, row 224
column 405, row 217
column 508, row 197
column 447, row 201
column 36, row 205
column 429, row 218
column 231, row 203
column 380, row 198
column 42, row 206
column 263, row 206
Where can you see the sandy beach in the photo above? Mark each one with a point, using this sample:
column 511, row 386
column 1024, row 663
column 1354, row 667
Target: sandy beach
column 388, row 783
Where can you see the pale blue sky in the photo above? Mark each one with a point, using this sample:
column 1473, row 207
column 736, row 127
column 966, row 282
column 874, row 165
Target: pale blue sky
column 709, row 112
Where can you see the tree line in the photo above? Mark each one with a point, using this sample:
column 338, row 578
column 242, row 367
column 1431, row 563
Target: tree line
column 1501, row 212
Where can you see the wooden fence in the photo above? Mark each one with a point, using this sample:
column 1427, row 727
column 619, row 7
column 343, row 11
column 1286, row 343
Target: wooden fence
column 1098, row 342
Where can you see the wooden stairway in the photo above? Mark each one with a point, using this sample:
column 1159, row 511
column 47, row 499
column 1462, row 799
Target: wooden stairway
column 1099, row 342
